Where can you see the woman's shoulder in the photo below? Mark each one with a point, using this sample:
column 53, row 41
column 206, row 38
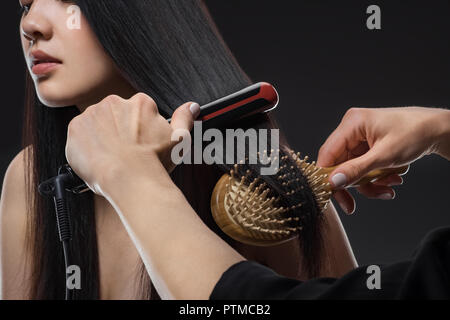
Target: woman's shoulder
column 14, row 182
column 14, row 211
column 15, row 173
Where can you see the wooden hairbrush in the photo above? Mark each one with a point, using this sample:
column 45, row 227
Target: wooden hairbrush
column 246, row 210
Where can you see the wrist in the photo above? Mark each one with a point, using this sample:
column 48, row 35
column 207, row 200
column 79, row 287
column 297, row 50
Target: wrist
column 442, row 146
column 121, row 176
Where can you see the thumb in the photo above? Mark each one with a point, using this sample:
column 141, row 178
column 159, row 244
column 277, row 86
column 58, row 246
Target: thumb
column 353, row 170
column 183, row 118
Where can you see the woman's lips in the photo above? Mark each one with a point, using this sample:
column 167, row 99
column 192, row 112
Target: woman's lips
column 44, row 67
column 43, row 63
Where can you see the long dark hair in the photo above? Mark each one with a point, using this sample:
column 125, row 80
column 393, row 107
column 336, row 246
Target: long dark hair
column 172, row 51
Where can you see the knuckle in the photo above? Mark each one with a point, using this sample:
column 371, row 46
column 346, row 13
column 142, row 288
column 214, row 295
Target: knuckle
column 353, row 111
column 354, row 170
column 70, row 127
column 112, row 99
column 355, row 115
column 89, row 110
column 144, row 101
column 320, row 154
column 90, row 113
column 73, row 125
column 140, row 96
column 322, row 150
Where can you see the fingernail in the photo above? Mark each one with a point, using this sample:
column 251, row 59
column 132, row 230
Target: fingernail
column 394, row 184
column 351, row 212
column 339, row 180
column 345, row 208
column 195, row 110
column 385, row 196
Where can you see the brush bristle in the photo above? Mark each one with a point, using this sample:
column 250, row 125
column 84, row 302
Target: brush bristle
column 251, row 204
column 318, row 181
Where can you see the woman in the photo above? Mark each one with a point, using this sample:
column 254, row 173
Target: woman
column 169, row 50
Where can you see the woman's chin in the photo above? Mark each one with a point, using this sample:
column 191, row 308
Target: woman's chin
column 54, row 98
column 54, row 102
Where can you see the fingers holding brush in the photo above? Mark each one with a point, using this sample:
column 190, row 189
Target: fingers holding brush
column 372, row 143
column 389, row 181
column 373, row 191
column 380, row 189
column 345, row 201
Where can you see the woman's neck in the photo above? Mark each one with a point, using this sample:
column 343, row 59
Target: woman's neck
column 120, row 87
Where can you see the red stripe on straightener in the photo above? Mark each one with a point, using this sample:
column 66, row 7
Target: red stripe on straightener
column 266, row 91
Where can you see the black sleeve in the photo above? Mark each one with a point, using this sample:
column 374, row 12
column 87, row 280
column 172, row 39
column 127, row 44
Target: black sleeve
column 425, row 276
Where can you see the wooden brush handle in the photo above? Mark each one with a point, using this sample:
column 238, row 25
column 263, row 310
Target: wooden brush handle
column 375, row 174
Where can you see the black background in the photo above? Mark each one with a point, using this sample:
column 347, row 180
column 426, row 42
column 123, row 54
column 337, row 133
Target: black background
column 322, row 59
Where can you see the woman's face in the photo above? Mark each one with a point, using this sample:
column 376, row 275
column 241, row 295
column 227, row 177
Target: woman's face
column 66, row 61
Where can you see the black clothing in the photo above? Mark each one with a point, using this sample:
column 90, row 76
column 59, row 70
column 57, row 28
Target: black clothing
column 426, row 276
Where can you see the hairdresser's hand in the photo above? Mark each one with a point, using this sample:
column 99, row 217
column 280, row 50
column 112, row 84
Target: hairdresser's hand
column 368, row 139
column 124, row 137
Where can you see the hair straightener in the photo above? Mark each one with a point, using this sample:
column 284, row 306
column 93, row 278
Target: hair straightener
column 258, row 98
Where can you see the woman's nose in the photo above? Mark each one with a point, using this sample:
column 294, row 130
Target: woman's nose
column 35, row 24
